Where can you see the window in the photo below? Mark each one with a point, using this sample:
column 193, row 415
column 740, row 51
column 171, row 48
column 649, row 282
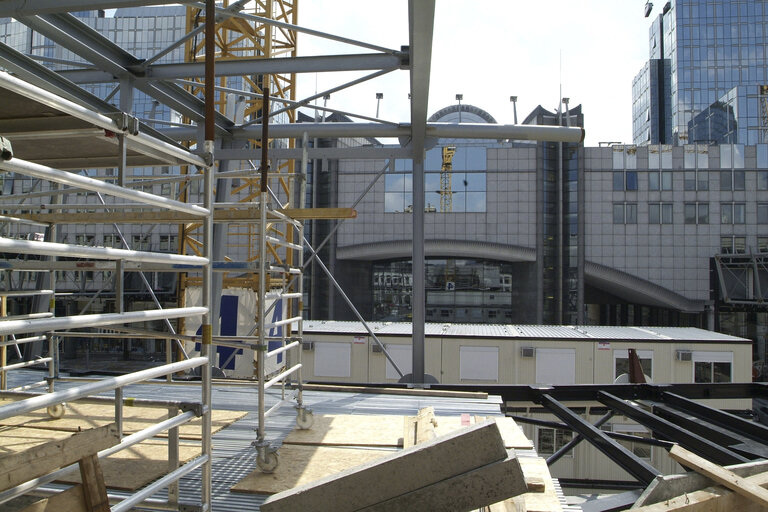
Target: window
column 731, row 180
column 549, row 440
column 732, row 213
column 733, row 244
column 697, row 213
column 641, row 450
column 712, row 367
column 621, row 362
column 85, row 239
column 479, row 363
column 625, row 213
column 762, row 244
column 762, row 180
column 169, row 243
column 659, row 213
column 762, row 213
column 112, row 241
column 140, row 243
column 625, row 180
column 555, row 366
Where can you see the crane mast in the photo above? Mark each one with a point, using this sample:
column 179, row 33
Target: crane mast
column 446, row 193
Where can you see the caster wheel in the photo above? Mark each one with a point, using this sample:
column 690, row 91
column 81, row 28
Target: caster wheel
column 268, row 463
column 304, row 419
column 56, row 411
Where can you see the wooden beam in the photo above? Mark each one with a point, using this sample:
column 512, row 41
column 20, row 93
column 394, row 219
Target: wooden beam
column 720, row 475
column 40, row 460
column 319, row 213
column 71, row 499
column 94, row 489
column 710, row 499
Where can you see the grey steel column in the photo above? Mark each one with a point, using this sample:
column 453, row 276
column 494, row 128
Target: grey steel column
column 419, row 295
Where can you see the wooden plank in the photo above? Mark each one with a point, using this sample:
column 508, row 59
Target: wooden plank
column 40, row 460
column 666, row 487
column 720, row 475
column 540, row 498
column 420, row 428
column 709, row 499
column 468, row 491
column 94, row 490
column 319, row 213
column 71, row 500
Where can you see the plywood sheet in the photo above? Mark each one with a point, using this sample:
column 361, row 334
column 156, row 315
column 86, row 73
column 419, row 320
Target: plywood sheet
column 17, row 439
column 350, row 430
column 303, row 464
column 85, row 416
column 387, row 431
column 137, row 466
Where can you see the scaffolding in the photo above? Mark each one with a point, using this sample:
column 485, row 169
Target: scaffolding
column 42, row 253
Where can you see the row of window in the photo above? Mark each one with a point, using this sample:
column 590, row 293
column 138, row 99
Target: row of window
column 693, row 180
column 693, row 213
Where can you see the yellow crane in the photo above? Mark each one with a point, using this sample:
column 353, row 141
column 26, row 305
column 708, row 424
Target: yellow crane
column 446, row 193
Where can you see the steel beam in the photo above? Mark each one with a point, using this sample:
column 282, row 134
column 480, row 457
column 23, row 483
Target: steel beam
column 86, row 42
column 631, row 463
column 752, row 429
column 438, row 130
column 672, row 431
column 733, row 439
column 318, row 64
column 17, row 8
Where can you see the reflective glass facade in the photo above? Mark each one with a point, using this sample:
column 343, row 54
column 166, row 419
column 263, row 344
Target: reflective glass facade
column 711, row 47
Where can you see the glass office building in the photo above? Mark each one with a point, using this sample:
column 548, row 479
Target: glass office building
column 706, row 74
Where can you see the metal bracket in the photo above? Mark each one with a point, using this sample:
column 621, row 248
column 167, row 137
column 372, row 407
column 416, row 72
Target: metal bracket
column 6, row 150
column 125, row 122
column 194, row 407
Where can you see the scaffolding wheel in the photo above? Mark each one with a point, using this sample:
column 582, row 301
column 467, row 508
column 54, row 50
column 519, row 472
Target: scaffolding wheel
column 304, row 418
column 56, row 411
column 267, row 460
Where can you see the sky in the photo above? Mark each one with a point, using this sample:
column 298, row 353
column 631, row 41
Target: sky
column 489, row 50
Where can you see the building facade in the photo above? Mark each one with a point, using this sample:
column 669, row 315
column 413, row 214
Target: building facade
column 704, row 81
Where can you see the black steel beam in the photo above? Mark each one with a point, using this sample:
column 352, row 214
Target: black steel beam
column 633, row 464
column 613, row 435
column 673, row 432
column 751, row 429
column 570, row 445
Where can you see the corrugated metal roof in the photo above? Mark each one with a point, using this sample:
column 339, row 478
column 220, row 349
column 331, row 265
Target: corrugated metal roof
column 543, row 332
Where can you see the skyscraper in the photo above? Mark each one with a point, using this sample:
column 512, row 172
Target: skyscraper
column 705, row 81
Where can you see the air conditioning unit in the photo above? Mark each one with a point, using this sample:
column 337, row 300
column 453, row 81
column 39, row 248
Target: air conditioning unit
column 307, row 345
column 684, row 355
column 376, row 348
column 527, row 352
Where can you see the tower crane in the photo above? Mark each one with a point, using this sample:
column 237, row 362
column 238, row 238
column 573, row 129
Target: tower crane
column 446, row 193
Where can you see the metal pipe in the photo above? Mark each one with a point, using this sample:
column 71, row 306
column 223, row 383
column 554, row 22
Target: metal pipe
column 283, row 349
column 25, row 364
column 75, row 180
column 279, row 377
column 108, row 384
column 161, row 483
column 418, row 302
column 99, row 253
column 67, row 322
